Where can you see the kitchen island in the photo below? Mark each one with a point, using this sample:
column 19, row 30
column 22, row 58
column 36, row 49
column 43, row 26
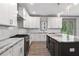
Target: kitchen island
column 58, row 47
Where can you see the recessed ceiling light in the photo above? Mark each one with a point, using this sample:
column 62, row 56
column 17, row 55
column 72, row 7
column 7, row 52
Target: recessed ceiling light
column 58, row 3
column 75, row 3
column 31, row 3
column 33, row 12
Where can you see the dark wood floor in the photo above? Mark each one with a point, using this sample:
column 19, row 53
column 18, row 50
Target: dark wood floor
column 38, row 49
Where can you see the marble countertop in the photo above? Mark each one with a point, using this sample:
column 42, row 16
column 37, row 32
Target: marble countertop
column 61, row 38
column 11, row 42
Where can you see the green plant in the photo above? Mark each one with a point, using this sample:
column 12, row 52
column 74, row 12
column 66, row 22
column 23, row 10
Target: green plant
column 67, row 27
column 64, row 29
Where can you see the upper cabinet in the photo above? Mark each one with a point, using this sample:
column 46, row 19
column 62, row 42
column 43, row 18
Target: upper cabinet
column 20, row 11
column 31, row 22
column 54, row 22
column 13, row 14
column 8, row 14
column 20, row 16
column 25, row 14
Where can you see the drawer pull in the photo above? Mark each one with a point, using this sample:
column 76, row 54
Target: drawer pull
column 72, row 49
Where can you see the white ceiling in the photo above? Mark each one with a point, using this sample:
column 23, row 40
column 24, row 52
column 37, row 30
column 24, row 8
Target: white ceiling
column 46, row 9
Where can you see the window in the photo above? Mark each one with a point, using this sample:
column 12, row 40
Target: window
column 69, row 26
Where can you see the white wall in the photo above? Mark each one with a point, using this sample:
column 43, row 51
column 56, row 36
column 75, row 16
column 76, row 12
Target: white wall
column 22, row 31
column 6, row 32
column 77, row 26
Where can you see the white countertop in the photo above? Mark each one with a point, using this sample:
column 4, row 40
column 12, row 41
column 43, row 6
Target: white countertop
column 61, row 38
column 8, row 43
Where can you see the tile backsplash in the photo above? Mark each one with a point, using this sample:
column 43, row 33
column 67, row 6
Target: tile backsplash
column 6, row 32
column 22, row 31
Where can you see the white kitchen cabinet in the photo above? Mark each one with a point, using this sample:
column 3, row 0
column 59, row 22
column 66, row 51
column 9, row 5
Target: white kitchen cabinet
column 38, row 37
column 27, row 18
column 7, row 53
column 21, row 44
column 8, row 14
column 20, row 10
column 12, row 8
column 18, row 49
column 32, row 22
column 54, row 22
column 25, row 13
column 4, row 14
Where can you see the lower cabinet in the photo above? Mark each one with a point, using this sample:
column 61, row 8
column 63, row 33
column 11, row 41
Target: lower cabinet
column 21, row 48
column 57, row 48
column 16, row 50
column 7, row 53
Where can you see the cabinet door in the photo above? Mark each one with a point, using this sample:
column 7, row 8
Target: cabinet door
column 18, row 49
column 34, row 22
column 7, row 53
column 21, row 45
column 8, row 14
column 4, row 14
column 54, row 22
column 27, row 18
column 20, row 10
column 31, row 22
column 12, row 11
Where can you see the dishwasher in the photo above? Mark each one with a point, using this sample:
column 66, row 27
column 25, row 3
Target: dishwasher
column 26, row 42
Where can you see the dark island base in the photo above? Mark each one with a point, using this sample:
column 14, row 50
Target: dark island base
column 62, row 48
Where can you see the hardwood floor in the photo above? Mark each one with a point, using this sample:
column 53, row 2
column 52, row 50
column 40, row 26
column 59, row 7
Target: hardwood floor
column 38, row 49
